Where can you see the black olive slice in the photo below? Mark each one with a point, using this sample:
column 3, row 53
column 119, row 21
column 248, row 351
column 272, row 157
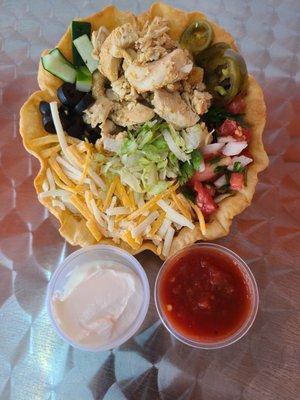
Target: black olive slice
column 84, row 103
column 48, row 123
column 68, row 95
column 44, row 107
column 93, row 134
column 77, row 127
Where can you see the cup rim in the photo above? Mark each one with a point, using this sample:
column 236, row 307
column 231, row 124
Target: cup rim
column 237, row 335
column 138, row 269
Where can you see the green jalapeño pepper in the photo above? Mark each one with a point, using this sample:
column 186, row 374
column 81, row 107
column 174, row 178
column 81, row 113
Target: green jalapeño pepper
column 225, row 72
column 197, row 36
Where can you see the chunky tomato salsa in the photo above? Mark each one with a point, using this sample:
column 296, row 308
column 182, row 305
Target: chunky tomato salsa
column 204, row 295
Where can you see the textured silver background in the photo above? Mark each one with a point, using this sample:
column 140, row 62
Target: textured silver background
column 34, row 363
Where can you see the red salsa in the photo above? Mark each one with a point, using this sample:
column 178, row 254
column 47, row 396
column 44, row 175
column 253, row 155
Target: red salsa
column 204, row 295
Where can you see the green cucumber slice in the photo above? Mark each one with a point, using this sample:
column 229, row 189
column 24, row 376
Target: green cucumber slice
column 59, row 66
column 83, row 79
column 85, row 48
column 79, row 28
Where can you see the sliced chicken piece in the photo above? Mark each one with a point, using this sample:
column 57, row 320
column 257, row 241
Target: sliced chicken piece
column 98, row 38
column 110, row 141
column 173, row 109
column 114, row 49
column 98, row 87
column 154, row 41
column 98, row 112
column 124, row 90
column 132, row 113
column 157, row 74
column 199, row 101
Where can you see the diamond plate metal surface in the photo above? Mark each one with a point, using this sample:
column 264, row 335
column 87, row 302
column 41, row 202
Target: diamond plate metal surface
column 34, row 363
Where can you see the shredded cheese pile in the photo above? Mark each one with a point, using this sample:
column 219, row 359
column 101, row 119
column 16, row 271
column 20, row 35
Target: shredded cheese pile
column 73, row 183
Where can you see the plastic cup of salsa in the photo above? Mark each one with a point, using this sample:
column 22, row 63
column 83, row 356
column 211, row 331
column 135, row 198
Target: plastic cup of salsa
column 206, row 296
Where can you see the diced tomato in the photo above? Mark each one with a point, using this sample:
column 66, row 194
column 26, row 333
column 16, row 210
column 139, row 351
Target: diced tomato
column 232, row 128
column 236, row 181
column 237, row 106
column 247, row 133
column 204, row 200
column 207, row 174
column 211, row 189
column 228, row 128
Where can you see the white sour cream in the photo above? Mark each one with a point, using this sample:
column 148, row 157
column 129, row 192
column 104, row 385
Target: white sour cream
column 98, row 303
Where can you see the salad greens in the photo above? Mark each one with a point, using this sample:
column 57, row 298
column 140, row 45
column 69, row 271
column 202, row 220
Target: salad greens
column 151, row 156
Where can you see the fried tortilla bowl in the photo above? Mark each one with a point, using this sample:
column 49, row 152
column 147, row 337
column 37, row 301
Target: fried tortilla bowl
column 73, row 227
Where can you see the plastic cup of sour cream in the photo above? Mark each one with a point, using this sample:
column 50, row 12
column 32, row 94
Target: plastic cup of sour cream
column 98, row 298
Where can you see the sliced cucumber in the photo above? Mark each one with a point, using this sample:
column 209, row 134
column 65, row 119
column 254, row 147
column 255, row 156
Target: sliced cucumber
column 79, row 28
column 85, row 48
column 83, row 79
column 59, row 66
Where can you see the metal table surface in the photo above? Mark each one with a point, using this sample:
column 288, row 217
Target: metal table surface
column 35, row 364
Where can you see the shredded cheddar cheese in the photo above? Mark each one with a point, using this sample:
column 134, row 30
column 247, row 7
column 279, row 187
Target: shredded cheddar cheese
column 93, row 228
column 110, row 193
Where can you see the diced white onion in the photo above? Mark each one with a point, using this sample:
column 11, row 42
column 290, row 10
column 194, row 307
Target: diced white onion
column 226, row 139
column 241, row 159
column 234, row 148
column 174, row 215
column 164, row 227
column 168, row 241
column 143, row 225
column 212, row 148
column 220, row 181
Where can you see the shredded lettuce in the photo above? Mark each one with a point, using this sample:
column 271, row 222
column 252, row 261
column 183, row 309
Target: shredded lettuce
column 175, row 142
column 188, row 168
column 153, row 154
column 128, row 146
column 129, row 179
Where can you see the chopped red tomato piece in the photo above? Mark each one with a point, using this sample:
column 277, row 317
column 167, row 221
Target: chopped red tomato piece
column 236, row 181
column 204, row 200
column 237, row 106
column 211, row 189
column 206, row 175
column 232, row 128
column 228, row 128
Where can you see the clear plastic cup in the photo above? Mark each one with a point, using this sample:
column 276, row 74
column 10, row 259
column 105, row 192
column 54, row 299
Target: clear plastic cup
column 91, row 254
column 209, row 344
